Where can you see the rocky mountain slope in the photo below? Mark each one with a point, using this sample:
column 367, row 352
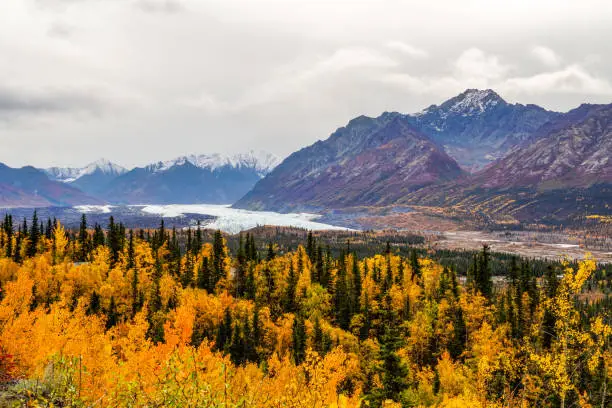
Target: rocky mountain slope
column 477, row 127
column 575, row 152
column 563, row 173
column 30, row 187
column 370, row 161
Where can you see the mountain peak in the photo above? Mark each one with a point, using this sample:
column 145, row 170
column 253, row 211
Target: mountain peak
column 262, row 162
column 473, row 102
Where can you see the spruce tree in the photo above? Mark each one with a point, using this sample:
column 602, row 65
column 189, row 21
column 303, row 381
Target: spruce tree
column 111, row 315
column 299, row 340
column 290, row 292
column 34, row 237
column 414, row 265
column 83, row 239
column 204, row 276
column 224, row 333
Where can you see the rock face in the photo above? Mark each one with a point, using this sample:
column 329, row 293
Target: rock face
column 478, row 126
column 371, row 161
column 30, row 187
column 563, row 173
column 573, row 151
column 212, row 179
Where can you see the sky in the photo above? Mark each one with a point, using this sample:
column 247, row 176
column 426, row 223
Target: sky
column 137, row 81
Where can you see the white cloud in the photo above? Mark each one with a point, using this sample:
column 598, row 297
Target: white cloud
column 546, row 56
column 573, row 79
column 475, row 64
column 408, row 49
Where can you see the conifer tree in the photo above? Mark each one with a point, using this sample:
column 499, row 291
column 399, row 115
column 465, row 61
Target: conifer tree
column 356, row 287
column 111, row 315
column 414, row 265
column 270, row 255
column 34, row 237
column 298, row 340
column 290, row 292
column 204, row 278
column 224, row 333
column 94, row 303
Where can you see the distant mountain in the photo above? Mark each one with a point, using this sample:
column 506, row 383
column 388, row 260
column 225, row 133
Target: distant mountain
column 371, row 161
column 214, row 179
column 30, row 187
column 92, row 179
column 477, row 127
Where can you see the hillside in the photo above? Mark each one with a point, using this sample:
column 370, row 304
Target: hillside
column 29, row 187
column 370, row 161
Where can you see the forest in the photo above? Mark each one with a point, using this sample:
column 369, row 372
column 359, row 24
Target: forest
column 110, row 317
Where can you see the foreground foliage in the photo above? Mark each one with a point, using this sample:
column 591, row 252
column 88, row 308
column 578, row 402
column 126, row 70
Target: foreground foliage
column 159, row 318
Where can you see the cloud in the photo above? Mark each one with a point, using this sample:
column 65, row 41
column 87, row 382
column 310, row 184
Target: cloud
column 475, row 64
column 546, row 56
column 159, row 6
column 573, row 79
column 292, row 81
column 407, row 49
column 60, row 30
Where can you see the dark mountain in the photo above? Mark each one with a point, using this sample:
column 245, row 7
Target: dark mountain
column 30, row 187
column 212, row 179
column 478, row 126
column 371, row 161
column 92, row 179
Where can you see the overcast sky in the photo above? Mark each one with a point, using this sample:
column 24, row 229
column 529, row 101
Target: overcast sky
column 137, row 81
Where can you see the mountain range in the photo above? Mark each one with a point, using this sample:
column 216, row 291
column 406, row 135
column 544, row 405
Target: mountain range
column 475, row 152
column 214, row 178
column 542, row 165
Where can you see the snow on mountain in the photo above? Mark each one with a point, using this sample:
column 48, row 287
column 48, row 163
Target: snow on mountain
column 71, row 174
column 260, row 161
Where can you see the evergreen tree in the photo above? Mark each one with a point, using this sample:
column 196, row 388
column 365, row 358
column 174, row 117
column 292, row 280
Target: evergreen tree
column 204, row 276
column 187, row 276
column 250, row 287
column 356, row 287
column 394, row 372
column 218, row 258
column 94, row 303
column 459, row 338
column 290, row 292
column 111, row 315
column 270, row 255
column 83, row 239
column 483, row 278
column 414, row 265
column 34, row 237
column 224, row 333
column 299, row 340
column 548, row 322
column 342, row 299
column 98, row 236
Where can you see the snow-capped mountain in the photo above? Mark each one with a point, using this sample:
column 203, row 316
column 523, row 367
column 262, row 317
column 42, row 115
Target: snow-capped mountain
column 193, row 179
column 260, row 161
column 72, row 174
column 477, row 127
column 92, row 179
